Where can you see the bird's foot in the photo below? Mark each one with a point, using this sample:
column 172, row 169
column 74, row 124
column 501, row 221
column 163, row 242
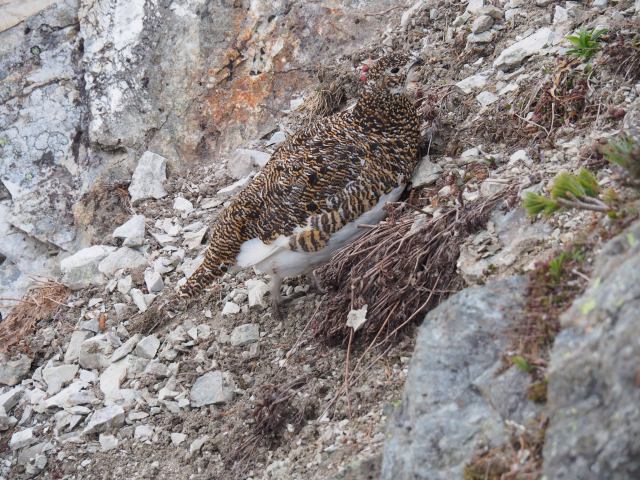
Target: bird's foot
column 276, row 310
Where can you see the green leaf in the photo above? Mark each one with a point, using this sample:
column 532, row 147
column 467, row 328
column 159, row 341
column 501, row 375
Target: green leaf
column 585, row 42
column 588, row 182
column 625, row 152
column 556, row 266
column 565, row 184
column 535, row 204
column 522, row 363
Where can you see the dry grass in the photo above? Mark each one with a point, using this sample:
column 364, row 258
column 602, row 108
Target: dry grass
column 276, row 411
column 39, row 303
column 622, row 55
column 563, row 97
column 400, row 268
column 553, row 286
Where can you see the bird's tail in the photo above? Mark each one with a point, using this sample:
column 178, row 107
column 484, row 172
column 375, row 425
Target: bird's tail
column 204, row 276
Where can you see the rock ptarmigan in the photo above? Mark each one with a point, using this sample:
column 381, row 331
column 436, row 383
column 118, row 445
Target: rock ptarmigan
column 320, row 184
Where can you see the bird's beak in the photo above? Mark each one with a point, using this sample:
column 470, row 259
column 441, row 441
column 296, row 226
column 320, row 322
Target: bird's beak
column 412, row 81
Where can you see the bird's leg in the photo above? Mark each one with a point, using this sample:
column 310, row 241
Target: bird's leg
column 276, row 298
column 315, row 282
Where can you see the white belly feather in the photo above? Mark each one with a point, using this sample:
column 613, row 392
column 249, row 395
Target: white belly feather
column 278, row 259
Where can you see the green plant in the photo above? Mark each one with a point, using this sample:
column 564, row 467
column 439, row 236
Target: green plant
column 579, row 191
column 522, row 363
column 556, row 266
column 625, row 152
column 585, row 42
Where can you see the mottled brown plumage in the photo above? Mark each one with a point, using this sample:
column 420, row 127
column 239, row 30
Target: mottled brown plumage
column 318, row 181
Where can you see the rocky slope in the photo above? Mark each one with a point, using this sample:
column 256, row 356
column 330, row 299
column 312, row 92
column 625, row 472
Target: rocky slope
column 126, row 126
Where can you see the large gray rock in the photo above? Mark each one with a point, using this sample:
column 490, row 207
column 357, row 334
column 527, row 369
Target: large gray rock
column 80, row 270
column 16, row 11
column 132, row 231
column 425, row 173
column 212, row 388
column 58, row 377
column 149, row 177
column 517, row 53
column 13, row 370
column 24, row 257
column 594, row 394
column 104, row 420
column 41, row 114
column 175, row 80
column 457, row 396
column 122, row 258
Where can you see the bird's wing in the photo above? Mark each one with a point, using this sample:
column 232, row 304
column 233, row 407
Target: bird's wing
column 316, row 182
column 319, row 181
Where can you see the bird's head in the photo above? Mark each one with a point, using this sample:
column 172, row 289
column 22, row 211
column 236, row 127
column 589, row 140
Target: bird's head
column 397, row 73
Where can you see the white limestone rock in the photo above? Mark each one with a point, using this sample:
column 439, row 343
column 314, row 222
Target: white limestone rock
column 193, row 240
column 80, row 270
column 126, row 348
column 143, row 433
column 13, row 370
column 58, row 377
column 107, row 442
column 71, row 396
column 517, row 53
column 520, row 156
column 10, row 398
column 105, row 419
column 6, row 421
column 474, row 6
column 124, row 284
column 243, row 161
column 21, row 439
column 177, row 438
column 230, row 308
column 486, row 98
column 256, row 291
column 93, row 353
column 139, row 299
column 148, row 347
column 111, row 379
column 425, row 173
column 211, row 388
column 277, row 137
column 132, row 231
column 245, row 334
column 148, row 178
column 473, row 82
column 154, row 281
column 482, row 24
column 122, row 258
column 182, row 205
column 75, row 343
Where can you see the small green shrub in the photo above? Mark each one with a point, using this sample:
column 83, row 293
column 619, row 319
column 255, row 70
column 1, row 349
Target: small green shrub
column 556, row 266
column 568, row 191
column 522, row 363
column 585, row 42
column 625, row 152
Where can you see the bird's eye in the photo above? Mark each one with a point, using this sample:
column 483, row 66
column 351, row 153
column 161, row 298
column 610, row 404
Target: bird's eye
column 395, row 69
column 223, row 267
